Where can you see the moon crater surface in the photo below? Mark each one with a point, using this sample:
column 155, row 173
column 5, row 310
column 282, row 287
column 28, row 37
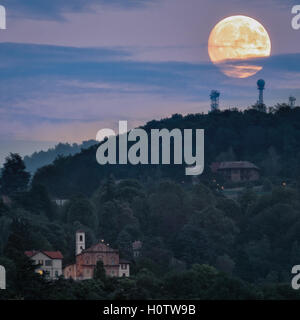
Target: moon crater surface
column 234, row 44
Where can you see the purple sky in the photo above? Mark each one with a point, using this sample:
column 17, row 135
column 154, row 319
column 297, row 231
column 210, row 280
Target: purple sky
column 71, row 68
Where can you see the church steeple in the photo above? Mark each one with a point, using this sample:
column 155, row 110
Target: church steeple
column 80, row 241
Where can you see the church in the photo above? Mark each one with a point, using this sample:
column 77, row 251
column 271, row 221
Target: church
column 86, row 260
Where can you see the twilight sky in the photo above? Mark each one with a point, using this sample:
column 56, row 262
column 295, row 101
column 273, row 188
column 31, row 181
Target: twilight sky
column 70, row 68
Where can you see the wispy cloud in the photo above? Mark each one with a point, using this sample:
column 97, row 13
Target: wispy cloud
column 127, row 59
column 54, row 90
column 55, row 9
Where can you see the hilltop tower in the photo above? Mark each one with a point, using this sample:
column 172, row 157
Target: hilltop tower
column 260, row 104
column 292, row 102
column 261, row 87
column 214, row 97
column 80, row 241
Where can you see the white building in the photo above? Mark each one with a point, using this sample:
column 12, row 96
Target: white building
column 87, row 258
column 136, row 247
column 48, row 263
column 124, row 268
column 60, row 202
column 2, row 278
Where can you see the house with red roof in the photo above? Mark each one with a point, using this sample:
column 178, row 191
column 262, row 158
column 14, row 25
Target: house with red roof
column 49, row 263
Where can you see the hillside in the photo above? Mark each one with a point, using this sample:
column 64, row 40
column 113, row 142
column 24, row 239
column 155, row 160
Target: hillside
column 43, row 158
column 196, row 243
column 270, row 140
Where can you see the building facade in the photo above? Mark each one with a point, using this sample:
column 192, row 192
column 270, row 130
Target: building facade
column 237, row 171
column 60, row 202
column 49, row 263
column 86, row 261
column 136, row 248
column 124, row 268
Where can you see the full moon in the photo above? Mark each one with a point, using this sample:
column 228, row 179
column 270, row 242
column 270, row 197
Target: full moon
column 235, row 42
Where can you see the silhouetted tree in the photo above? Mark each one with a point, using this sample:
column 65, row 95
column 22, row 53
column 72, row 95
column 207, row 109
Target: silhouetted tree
column 14, row 177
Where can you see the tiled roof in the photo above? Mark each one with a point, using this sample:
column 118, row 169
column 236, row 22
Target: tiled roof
column 54, row 254
column 30, row 253
column 237, row 165
column 50, row 254
column 102, row 246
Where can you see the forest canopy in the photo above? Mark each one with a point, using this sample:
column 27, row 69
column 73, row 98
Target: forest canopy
column 197, row 243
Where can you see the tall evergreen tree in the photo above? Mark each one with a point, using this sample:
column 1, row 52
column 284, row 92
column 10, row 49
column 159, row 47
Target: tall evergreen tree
column 14, row 177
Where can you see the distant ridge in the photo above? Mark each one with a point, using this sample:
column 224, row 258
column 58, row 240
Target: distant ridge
column 44, row 158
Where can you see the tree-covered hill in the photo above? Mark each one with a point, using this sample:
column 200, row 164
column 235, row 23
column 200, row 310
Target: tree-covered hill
column 196, row 243
column 43, row 158
column 270, row 140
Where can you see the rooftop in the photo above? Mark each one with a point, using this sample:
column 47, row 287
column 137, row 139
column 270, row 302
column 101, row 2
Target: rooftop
column 50, row 254
column 237, row 165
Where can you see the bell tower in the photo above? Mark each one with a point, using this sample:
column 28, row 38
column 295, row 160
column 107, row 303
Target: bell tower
column 80, row 241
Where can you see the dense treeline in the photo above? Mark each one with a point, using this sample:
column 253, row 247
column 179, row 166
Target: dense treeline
column 43, row 158
column 270, row 140
column 197, row 244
